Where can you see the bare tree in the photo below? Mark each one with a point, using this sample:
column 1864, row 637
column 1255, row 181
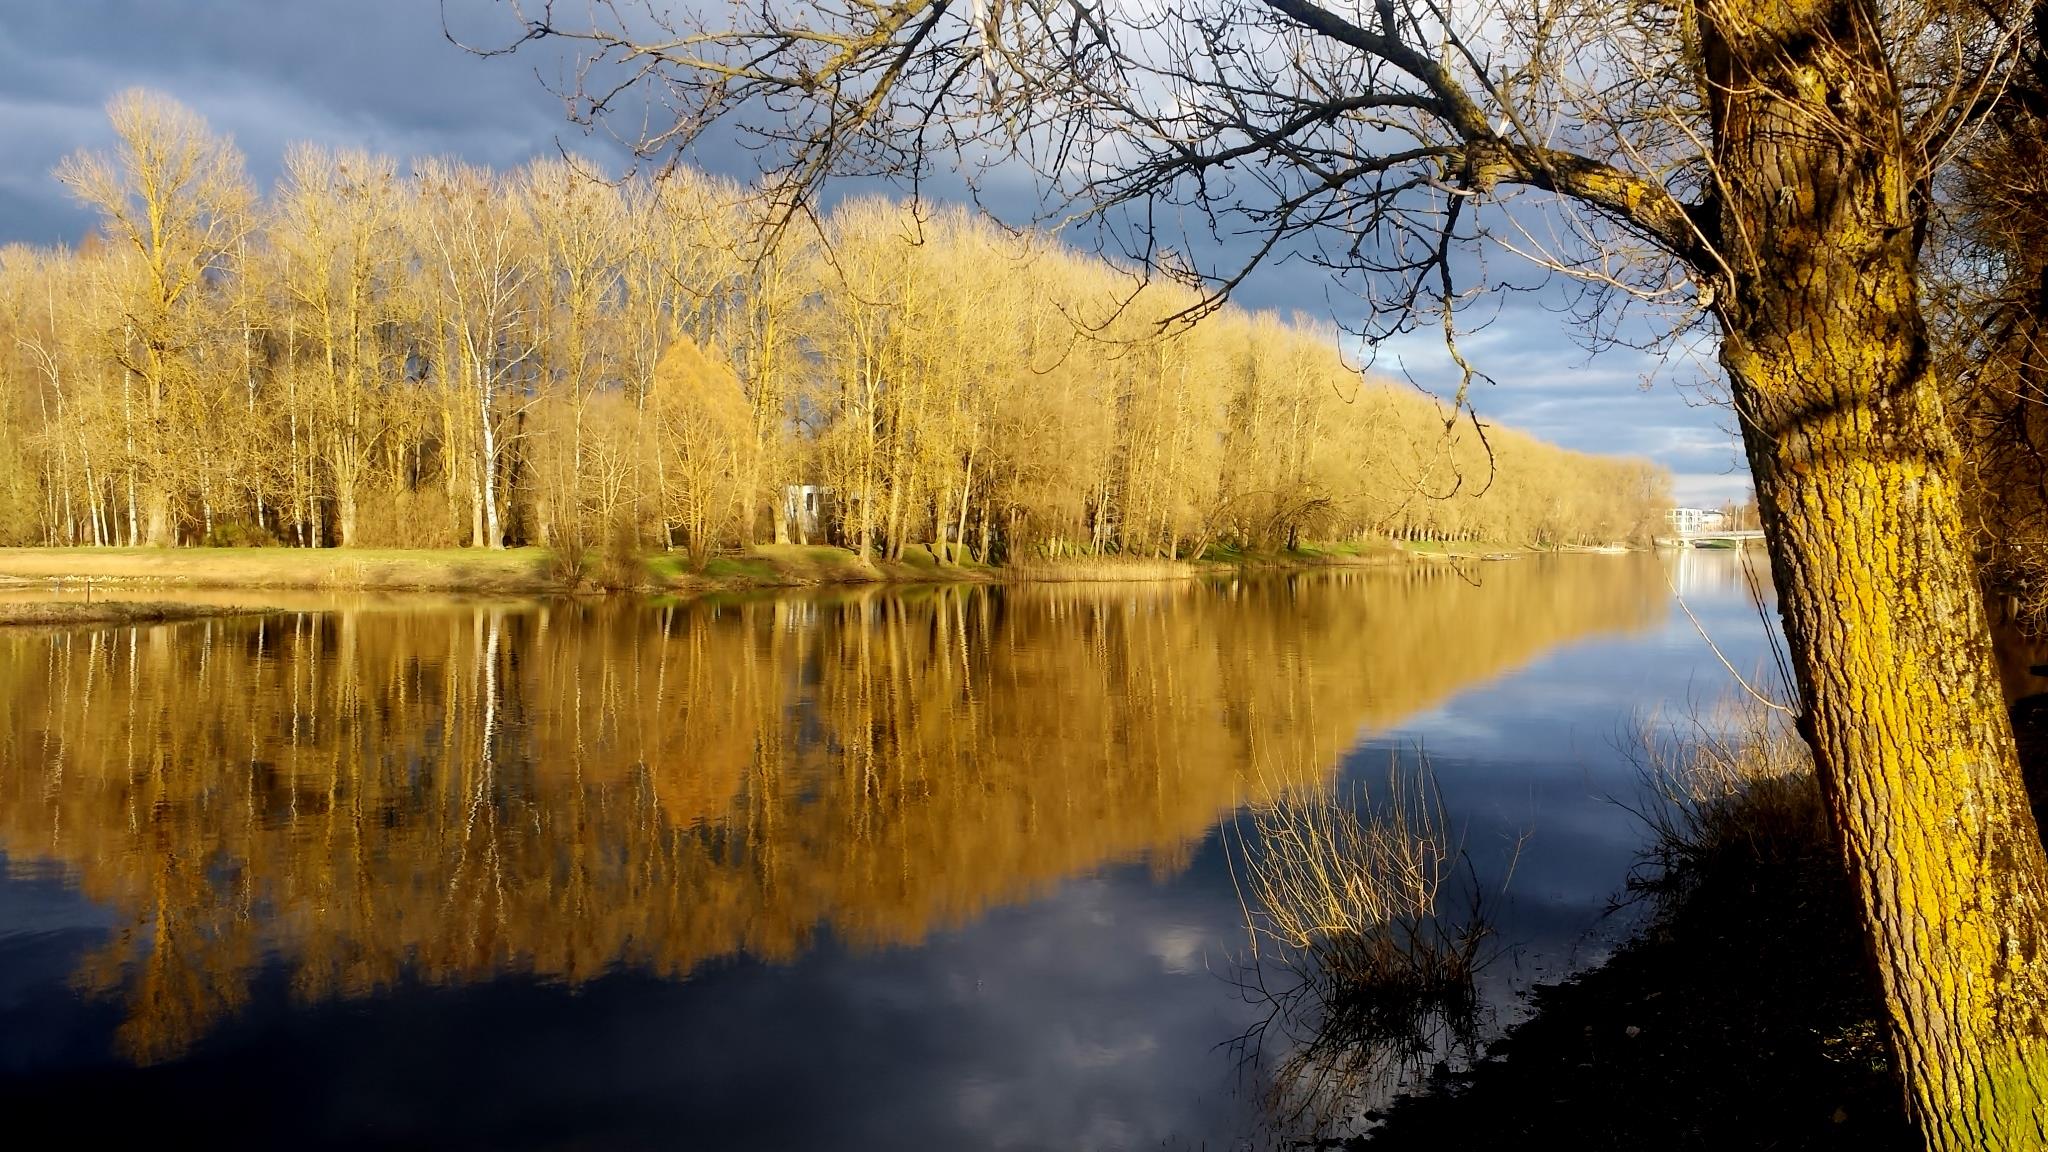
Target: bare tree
column 1762, row 166
column 703, row 426
column 481, row 260
column 339, row 226
column 174, row 194
column 369, row 337
column 576, row 218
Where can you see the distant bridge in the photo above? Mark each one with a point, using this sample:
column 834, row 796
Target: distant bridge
column 1706, row 528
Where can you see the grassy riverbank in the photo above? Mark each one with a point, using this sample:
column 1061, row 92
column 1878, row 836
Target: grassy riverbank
column 535, row 570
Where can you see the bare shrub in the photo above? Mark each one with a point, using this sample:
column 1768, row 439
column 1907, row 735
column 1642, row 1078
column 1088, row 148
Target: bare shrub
column 568, row 558
column 1366, row 976
column 239, row 534
column 621, row 568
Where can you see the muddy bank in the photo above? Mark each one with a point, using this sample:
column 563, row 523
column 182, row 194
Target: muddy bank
column 1744, row 1017
column 65, row 613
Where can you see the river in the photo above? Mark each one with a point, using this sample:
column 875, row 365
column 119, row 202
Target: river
column 943, row 867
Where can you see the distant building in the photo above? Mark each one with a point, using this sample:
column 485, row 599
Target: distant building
column 807, row 507
column 1693, row 521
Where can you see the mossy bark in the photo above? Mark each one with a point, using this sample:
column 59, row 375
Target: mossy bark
column 1856, row 474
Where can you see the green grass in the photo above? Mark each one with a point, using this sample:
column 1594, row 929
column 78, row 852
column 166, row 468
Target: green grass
column 918, row 559
column 1373, row 548
column 762, row 566
column 740, row 568
column 1084, row 569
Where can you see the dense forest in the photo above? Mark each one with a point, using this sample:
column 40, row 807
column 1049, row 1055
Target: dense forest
column 438, row 355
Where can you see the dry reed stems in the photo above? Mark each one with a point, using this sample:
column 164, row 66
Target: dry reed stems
column 1735, row 779
column 1366, row 975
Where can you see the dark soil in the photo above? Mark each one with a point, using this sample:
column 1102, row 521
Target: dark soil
column 1745, row 1016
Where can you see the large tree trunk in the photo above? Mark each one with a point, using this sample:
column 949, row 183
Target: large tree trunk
column 1856, row 479
column 347, row 480
column 158, row 519
column 345, row 515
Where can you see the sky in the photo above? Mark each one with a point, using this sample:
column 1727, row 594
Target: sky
column 381, row 74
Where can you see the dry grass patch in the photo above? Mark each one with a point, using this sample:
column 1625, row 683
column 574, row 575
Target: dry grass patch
column 1732, row 789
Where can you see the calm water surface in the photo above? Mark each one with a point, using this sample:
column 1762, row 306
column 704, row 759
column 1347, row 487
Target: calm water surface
column 889, row 869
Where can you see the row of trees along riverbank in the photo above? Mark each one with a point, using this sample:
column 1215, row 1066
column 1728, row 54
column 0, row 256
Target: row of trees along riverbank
column 434, row 354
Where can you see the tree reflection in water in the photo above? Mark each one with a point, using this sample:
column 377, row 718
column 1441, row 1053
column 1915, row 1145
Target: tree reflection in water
column 442, row 795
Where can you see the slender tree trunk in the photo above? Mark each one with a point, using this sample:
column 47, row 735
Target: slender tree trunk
column 750, row 504
column 487, row 464
column 1857, row 483
column 476, row 507
column 960, row 525
column 892, row 524
column 70, row 517
column 92, row 496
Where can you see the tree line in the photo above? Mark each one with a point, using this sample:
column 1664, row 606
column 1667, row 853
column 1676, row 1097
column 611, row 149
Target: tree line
column 438, row 355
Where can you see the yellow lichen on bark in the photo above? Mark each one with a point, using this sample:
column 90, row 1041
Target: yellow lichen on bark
column 1827, row 354
column 1905, row 713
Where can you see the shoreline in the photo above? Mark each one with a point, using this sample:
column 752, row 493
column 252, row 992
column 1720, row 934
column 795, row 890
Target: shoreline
column 31, row 579
column 68, row 614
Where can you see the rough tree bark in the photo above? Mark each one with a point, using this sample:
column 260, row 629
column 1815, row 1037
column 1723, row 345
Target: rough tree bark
column 1856, row 476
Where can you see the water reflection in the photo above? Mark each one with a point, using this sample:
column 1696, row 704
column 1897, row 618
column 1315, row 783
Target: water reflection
column 1712, row 573
column 365, row 797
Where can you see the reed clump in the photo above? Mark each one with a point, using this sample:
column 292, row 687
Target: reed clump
column 348, row 575
column 1367, row 937
column 1743, row 1010
column 1731, row 791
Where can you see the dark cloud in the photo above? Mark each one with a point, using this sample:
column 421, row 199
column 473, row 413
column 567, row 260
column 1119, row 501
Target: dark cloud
column 378, row 74
column 382, row 74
